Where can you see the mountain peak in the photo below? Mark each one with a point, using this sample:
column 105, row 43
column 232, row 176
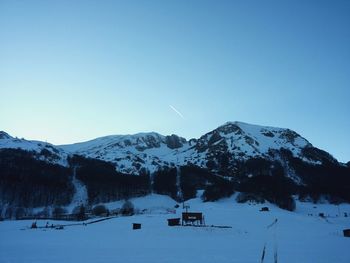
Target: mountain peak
column 4, row 135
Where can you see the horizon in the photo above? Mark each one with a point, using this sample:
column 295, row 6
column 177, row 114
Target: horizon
column 75, row 71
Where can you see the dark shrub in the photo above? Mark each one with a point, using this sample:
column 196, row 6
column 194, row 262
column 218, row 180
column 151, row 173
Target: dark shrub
column 100, row 210
column 79, row 212
column 286, row 202
column 58, row 212
column 127, row 209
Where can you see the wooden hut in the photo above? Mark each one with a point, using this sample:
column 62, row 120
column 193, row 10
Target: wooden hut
column 192, row 218
column 136, row 226
column 174, row 222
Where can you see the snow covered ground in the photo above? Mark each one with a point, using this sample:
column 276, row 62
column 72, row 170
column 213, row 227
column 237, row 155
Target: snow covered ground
column 81, row 194
column 297, row 236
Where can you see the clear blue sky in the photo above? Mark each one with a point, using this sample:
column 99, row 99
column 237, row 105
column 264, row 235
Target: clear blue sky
column 76, row 70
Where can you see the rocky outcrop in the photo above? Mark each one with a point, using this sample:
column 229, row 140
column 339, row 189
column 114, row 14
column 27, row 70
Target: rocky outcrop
column 174, row 142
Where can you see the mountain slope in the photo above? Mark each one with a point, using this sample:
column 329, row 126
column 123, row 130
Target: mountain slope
column 132, row 153
column 272, row 163
column 231, row 142
column 41, row 150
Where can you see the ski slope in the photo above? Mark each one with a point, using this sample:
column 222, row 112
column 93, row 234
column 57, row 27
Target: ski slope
column 296, row 237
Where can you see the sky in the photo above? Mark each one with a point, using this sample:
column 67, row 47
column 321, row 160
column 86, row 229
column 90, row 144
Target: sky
column 75, row 70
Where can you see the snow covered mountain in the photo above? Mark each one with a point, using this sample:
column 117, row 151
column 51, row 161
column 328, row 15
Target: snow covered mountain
column 41, row 150
column 233, row 141
column 244, row 141
column 273, row 163
column 131, row 153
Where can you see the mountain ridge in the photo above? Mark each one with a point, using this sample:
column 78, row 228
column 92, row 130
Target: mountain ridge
column 272, row 163
column 238, row 139
column 149, row 150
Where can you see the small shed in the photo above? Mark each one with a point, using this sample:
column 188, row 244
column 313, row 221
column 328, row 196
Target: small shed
column 136, row 226
column 192, row 218
column 346, row 232
column 174, row 222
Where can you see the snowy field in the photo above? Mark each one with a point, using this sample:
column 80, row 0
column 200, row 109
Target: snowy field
column 296, row 237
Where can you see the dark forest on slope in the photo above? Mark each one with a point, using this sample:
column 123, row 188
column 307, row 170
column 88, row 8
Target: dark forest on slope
column 28, row 182
column 104, row 183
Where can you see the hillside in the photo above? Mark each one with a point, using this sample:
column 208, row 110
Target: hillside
column 238, row 140
column 264, row 163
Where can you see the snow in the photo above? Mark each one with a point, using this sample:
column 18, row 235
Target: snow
column 152, row 203
column 131, row 153
column 264, row 143
column 297, row 237
column 124, row 150
column 178, row 183
column 251, row 141
column 8, row 142
column 81, row 194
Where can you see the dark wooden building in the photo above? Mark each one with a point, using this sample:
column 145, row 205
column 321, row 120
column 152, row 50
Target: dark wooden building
column 192, row 218
column 174, row 222
column 136, row 226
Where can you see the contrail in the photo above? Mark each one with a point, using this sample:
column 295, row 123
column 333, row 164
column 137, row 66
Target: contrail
column 178, row 113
